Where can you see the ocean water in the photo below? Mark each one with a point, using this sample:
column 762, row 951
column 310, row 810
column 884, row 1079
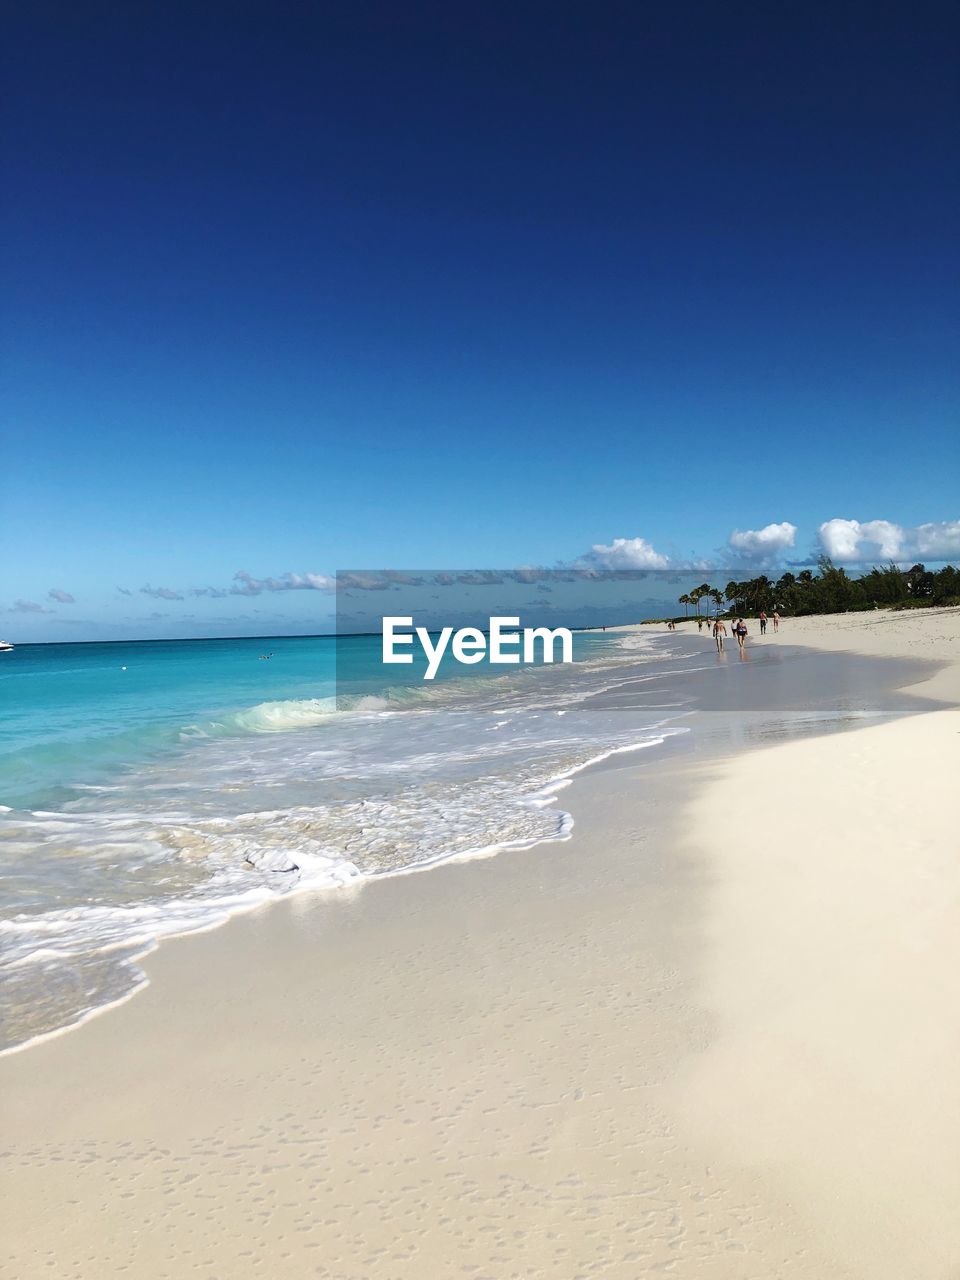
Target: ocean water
column 148, row 789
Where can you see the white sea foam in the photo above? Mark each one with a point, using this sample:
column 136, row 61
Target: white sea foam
column 290, row 797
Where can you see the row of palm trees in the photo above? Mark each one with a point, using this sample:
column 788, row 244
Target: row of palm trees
column 699, row 593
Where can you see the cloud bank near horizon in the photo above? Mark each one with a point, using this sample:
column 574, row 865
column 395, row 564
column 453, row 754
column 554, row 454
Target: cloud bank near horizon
column 28, row 606
column 846, row 541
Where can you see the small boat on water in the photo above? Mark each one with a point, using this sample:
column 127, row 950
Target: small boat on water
column 5, row 647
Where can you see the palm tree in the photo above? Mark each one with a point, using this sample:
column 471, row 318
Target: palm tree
column 698, row 593
column 685, row 601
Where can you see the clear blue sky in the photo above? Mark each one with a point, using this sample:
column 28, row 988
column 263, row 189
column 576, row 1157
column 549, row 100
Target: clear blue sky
column 297, row 287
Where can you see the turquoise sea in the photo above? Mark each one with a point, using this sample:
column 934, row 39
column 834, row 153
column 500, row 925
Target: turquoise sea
column 154, row 788
column 73, row 714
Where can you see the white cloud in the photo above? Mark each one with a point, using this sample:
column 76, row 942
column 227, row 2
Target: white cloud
column 855, row 541
column 625, row 553
column 755, row 547
column 938, row 540
column 61, row 597
column 28, row 606
column 246, row 585
column 766, row 544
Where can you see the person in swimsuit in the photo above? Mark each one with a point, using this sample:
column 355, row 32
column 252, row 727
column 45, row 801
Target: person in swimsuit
column 740, row 631
column 699, row 624
column 763, row 623
column 719, row 631
column 776, row 620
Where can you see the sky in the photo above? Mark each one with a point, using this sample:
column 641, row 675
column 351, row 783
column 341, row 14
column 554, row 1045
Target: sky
column 294, row 288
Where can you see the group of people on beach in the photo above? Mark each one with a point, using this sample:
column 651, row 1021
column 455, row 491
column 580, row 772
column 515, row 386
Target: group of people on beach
column 740, row 628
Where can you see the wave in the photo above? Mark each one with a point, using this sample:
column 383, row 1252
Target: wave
column 308, row 713
column 276, row 717
column 288, row 796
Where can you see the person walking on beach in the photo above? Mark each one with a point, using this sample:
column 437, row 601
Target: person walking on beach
column 740, row 631
column 776, row 620
column 719, row 631
column 699, row 623
column 763, row 623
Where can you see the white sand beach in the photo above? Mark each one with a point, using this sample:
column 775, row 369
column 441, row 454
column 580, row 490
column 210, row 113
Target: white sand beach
column 713, row 1035
column 832, row 962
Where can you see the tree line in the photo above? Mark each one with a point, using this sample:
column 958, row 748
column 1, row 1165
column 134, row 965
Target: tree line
column 830, row 589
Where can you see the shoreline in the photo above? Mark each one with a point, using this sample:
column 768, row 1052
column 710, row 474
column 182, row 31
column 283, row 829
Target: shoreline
column 548, row 792
column 512, row 1064
column 256, row 901
column 41, row 999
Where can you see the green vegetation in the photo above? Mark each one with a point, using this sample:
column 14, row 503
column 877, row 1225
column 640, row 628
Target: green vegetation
column 831, row 590
column 696, row 596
